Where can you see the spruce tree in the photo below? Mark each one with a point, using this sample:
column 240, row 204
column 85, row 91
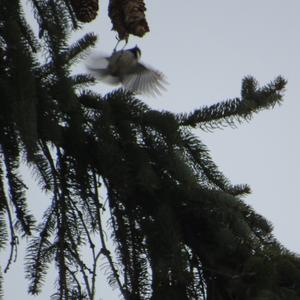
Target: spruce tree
column 180, row 228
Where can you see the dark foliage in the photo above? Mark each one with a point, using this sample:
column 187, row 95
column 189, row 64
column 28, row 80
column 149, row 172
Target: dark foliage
column 180, row 228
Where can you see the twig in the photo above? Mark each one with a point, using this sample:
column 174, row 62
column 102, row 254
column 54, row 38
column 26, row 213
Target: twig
column 13, row 239
column 104, row 249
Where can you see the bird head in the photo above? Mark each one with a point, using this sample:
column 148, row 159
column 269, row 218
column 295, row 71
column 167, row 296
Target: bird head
column 136, row 52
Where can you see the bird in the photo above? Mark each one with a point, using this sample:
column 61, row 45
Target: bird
column 124, row 67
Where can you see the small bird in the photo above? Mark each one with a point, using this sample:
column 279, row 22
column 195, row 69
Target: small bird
column 123, row 67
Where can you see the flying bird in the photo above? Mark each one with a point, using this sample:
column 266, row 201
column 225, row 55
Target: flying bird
column 124, row 67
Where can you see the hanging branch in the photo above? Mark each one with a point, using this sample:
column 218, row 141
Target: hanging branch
column 83, row 267
column 104, row 249
column 16, row 189
column 78, row 285
column 91, row 290
column 40, row 249
column 201, row 157
column 1, row 281
column 13, row 239
column 63, row 227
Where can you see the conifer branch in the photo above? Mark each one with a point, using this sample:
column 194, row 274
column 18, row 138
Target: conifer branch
column 82, row 266
column 13, row 240
column 1, row 287
column 72, row 15
column 200, row 156
column 90, row 287
column 173, row 214
column 62, row 227
column 16, row 189
column 236, row 110
column 104, row 249
column 28, row 33
column 3, row 211
column 75, row 279
column 69, row 56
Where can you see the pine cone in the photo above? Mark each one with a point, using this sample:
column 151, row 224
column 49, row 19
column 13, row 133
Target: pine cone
column 128, row 17
column 116, row 14
column 135, row 19
column 85, row 10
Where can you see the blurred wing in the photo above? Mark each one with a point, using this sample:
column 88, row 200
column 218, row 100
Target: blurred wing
column 97, row 66
column 144, row 80
column 98, row 61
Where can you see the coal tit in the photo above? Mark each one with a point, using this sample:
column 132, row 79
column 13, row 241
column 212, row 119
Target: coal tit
column 124, row 67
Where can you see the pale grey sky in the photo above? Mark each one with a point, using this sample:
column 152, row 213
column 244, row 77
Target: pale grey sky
column 205, row 48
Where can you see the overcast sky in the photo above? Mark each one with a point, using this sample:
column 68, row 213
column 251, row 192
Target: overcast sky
column 205, row 48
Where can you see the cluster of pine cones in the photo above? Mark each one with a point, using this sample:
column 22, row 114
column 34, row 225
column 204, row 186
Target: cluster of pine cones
column 127, row 16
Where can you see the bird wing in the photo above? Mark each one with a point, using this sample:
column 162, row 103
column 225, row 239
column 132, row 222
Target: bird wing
column 98, row 67
column 98, row 61
column 144, row 80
